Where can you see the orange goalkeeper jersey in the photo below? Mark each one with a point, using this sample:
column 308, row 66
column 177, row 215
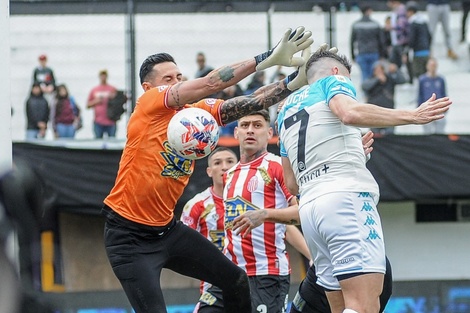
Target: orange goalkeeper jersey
column 151, row 177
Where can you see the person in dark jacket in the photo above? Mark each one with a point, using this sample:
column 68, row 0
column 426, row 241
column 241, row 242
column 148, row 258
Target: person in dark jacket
column 380, row 89
column 367, row 42
column 420, row 38
column 37, row 113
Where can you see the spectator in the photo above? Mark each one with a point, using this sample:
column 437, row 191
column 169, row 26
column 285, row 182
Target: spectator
column 98, row 100
column 420, row 38
column 463, row 27
column 66, row 114
column 429, row 83
column 367, row 42
column 37, row 113
column 399, row 34
column 202, row 68
column 44, row 76
column 386, row 30
column 380, row 89
column 228, row 93
column 439, row 11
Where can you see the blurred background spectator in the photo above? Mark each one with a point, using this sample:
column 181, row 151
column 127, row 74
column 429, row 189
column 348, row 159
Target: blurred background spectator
column 44, row 76
column 367, row 42
column 439, row 12
column 419, row 38
column 98, row 100
column 66, row 114
column 37, row 114
column 380, row 89
column 399, row 34
column 429, row 83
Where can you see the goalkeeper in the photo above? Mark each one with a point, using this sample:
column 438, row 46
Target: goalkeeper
column 142, row 235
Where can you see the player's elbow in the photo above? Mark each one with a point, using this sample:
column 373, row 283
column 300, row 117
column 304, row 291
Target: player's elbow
column 349, row 117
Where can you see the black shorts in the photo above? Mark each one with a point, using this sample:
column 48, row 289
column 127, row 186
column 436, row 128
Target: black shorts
column 269, row 293
column 138, row 253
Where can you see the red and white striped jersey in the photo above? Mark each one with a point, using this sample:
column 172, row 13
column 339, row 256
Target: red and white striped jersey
column 205, row 213
column 252, row 186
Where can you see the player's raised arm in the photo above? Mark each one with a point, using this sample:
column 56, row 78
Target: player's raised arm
column 225, row 76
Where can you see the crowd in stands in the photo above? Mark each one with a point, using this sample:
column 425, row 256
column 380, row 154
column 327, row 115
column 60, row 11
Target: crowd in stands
column 395, row 52
column 50, row 105
column 400, row 52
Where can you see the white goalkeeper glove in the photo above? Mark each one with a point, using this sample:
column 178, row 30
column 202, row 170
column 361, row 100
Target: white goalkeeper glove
column 299, row 78
column 283, row 52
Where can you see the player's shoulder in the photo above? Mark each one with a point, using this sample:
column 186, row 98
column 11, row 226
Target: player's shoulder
column 199, row 197
column 273, row 157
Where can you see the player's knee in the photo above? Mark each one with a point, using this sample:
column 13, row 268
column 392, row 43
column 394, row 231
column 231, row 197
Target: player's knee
column 242, row 280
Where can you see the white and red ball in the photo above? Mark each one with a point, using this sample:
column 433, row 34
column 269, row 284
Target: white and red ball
column 193, row 133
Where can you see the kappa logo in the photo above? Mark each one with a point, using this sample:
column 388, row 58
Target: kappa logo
column 373, row 235
column 370, row 221
column 367, row 207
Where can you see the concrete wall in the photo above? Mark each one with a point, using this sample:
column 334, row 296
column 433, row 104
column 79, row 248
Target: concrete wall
column 78, row 46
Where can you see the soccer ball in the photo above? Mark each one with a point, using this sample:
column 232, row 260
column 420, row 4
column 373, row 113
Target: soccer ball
column 193, row 133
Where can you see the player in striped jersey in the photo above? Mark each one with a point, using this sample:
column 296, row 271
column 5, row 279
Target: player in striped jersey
column 257, row 182
column 205, row 211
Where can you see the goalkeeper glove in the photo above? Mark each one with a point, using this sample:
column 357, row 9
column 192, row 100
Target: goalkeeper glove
column 283, row 52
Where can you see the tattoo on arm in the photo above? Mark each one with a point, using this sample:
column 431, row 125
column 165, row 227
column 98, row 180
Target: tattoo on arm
column 226, row 74
column 266, row 96
column 175, row 94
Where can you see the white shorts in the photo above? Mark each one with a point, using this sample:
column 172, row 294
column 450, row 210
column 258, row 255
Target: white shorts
column 344, row 234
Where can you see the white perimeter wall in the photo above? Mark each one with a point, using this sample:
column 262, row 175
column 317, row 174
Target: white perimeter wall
column 78, row 46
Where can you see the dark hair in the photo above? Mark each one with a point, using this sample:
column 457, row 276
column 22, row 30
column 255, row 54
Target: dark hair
column 217, row 150
column 36, row 85
column 147, row 66
column 317, row 56
column 264, row 113
column 365, row 8
column 58, row 96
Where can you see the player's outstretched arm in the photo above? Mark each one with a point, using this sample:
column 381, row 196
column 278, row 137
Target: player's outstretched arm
column 351, row 112
column 262, row 98
column 225, row 76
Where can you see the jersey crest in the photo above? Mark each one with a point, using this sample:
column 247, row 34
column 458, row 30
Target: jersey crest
column 176, row 166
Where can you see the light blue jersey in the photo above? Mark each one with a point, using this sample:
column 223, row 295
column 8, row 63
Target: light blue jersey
column 326, row 155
